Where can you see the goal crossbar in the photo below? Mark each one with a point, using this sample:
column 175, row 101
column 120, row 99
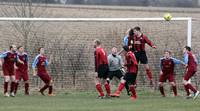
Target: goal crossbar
column 89, row 19
column 188, row 19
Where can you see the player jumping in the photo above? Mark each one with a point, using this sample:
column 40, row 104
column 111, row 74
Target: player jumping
column 136, row 41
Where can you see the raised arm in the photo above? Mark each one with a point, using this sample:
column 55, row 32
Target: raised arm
column 149, row 42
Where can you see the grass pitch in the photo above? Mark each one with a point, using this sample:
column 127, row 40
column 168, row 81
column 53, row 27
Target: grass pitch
column 86, row 101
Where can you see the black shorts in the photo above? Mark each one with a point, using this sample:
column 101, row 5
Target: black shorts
column 103, row 71
column 141, row 57
column 130, row 78
column 117, row 73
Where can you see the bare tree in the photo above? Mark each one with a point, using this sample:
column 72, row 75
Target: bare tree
column 76, row 55
column 27, row 9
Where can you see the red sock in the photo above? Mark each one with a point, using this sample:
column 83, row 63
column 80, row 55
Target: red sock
column 191, row 88
column 187, row 90
column 5, row 87
column 50, row 89
column 162, row 90
column 44, row 88
column 107, row 87
column 99, row 89
column 16, row 87
column 12, row 87
column 149, row 74
column 132, row 89
column 120, row 88
column 26, row 88
column 174, row 90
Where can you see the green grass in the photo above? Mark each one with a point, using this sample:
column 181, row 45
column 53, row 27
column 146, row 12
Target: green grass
column 86, row 101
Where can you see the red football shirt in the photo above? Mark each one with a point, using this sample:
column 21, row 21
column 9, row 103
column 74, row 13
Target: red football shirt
column 100, row 57
column 9, row 59
column 23, row 57
column 139, row 42
column 191, row 61
column 167, row 66
column 131, row 62
column 40, row 62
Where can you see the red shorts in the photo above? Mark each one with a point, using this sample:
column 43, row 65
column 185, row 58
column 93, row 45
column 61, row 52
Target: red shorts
column 189, row 74
column 45, row 77
column 21, row 75
column 165, row 77
column 8, row 72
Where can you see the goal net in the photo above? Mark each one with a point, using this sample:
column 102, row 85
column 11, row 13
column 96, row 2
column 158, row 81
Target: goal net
column 70, row 42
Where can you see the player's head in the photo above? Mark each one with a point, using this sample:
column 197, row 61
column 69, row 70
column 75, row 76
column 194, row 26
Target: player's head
column 137, row 30
column 20, row 49
column 131, row 32
column 97, row 43
column 187, row 49
column 41, row 50
column 126, row 49
column 167, row 53
column 114, row 51
column 13, row 48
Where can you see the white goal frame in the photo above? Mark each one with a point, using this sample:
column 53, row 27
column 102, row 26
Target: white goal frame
column 188, row 19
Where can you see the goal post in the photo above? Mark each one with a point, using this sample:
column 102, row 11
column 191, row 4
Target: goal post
column 69, row 41
column 188, row 19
